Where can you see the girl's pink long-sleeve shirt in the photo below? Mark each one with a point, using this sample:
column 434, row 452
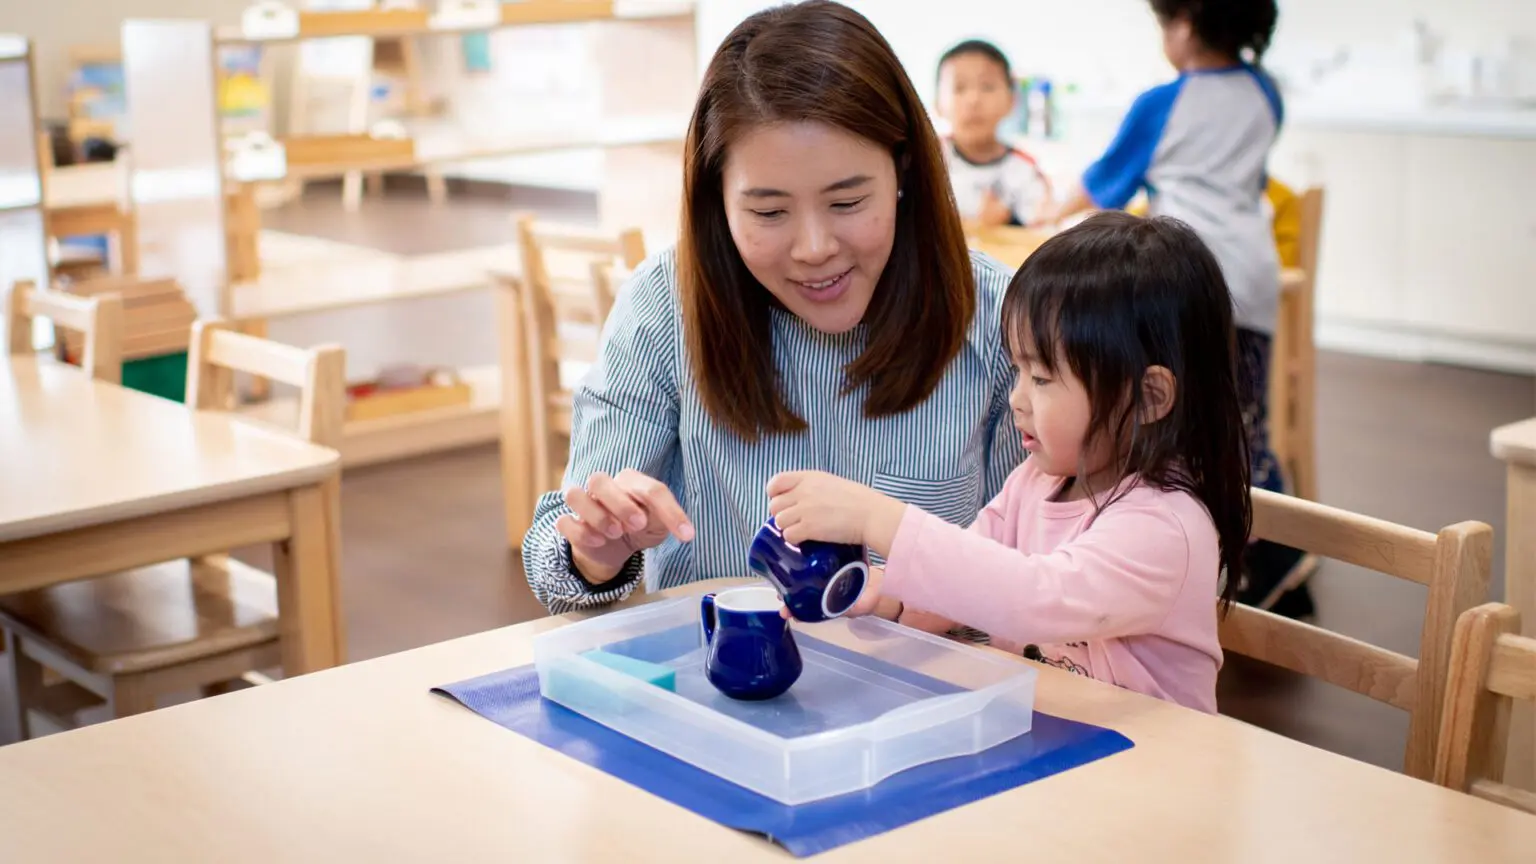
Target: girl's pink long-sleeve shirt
column 1128, row 597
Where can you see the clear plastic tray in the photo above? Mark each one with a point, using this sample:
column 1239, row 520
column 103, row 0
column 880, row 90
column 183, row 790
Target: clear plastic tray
column 875, row 699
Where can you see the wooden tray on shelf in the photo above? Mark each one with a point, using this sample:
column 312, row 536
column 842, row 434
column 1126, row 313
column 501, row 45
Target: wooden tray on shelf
column 406, row 391
column 310, row 150
column 346, row 22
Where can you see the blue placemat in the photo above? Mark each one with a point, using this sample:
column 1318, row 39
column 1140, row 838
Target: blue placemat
column 511, row 699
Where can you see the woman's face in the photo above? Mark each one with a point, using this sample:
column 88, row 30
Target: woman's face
column 812, row 209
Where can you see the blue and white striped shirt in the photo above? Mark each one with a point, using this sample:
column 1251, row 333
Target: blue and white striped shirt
column 638, row 408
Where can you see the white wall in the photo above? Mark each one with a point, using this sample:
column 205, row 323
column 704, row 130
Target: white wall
column 1111, row 46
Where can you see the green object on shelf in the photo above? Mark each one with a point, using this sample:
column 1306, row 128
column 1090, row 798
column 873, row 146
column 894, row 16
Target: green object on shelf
column 164, row 376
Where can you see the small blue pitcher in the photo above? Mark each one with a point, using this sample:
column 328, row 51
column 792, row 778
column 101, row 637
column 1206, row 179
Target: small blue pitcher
column 750, row 651
column 818, row 581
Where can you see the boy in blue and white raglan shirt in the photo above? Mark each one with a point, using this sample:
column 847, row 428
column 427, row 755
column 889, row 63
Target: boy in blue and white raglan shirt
column 1199, row 145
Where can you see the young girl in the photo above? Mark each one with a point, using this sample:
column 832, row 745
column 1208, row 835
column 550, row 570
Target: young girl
column 1104, row 553
column 1199, row 146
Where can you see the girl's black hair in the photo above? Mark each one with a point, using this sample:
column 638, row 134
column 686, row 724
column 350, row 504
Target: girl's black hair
column 985, row 49
column 1115, row 296
column 1229, row 26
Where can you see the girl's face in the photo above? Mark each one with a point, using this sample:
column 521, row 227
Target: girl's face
column 812, row 210
column 1052, row 413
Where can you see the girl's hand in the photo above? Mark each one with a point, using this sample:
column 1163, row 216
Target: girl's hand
column 612, row 518
column 814, row 505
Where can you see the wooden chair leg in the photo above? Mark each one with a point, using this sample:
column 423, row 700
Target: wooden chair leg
column 1280, row 400
column 27, row 675
column 1304, row 423
column 131, row 695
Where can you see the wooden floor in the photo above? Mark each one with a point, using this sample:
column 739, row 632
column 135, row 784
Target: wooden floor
column 424, row 559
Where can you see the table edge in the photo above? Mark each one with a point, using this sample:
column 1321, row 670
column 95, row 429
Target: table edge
column 58, row 523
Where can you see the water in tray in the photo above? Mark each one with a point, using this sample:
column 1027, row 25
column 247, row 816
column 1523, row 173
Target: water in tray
column 832, row 692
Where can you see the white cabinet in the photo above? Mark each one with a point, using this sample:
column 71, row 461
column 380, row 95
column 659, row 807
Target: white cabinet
column 1429, row 242
column 1360, row 275
column 1470, row 245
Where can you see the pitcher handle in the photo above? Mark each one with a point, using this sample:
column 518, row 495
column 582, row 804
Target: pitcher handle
column 707, row 616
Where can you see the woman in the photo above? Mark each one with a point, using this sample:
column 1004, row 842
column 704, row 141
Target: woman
column 820, row 310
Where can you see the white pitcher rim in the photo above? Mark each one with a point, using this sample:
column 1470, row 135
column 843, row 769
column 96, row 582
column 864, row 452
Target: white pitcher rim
column 751, row 598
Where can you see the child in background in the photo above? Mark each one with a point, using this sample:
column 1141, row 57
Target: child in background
column 1199, row 145
column 994, row 184
column 1105, row 551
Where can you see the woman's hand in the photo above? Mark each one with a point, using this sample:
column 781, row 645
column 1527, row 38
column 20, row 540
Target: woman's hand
column 612, row 518
column 814, row 505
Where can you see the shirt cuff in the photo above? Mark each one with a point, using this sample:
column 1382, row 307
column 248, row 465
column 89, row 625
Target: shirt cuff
column 632, row 570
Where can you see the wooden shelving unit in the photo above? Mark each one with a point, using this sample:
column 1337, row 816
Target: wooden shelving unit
column 183, row 161
column 435, row 142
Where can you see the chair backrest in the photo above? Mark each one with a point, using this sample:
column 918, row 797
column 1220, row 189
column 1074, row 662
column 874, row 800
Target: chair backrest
column 98, row 319
column 1491, row 666
column 606, row 279
column 1309, row 240
column 562, row 311
column 1454, row 563
column 217, row 351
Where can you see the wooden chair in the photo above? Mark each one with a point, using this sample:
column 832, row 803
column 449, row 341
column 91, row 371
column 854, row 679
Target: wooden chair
column 1491, row 666
column 1454, row 564
column 98, row 320
column 549, row 319
column 126, row 638
column 1293, row 357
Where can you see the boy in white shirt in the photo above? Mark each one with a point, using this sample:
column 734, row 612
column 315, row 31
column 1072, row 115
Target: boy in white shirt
column 994, row 183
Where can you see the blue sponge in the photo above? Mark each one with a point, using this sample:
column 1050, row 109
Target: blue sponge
column 580, row 693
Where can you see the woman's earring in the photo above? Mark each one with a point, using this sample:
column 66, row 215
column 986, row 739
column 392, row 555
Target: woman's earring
column 898, row 194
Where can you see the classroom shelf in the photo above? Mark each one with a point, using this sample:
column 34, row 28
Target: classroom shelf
column 301, row 275
column 440, row 143
column 380, row 23
column 184, row 159
column 385, row 439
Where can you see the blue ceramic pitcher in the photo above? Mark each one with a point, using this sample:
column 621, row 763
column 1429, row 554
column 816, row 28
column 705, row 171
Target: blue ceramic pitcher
column 750, row 651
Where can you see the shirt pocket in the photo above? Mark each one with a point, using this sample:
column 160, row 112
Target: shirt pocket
column 953, row 499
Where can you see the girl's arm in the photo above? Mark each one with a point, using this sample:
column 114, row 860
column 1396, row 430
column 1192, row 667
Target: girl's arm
column 1119, row 578
column 1114, row 179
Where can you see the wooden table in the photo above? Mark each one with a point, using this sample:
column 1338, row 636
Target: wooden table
column 1009, row 244
column 1515, row 444
column 363, row 763
column 96, row 478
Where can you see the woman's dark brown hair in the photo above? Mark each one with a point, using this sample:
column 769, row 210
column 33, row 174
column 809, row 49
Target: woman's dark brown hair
column 821, row 62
